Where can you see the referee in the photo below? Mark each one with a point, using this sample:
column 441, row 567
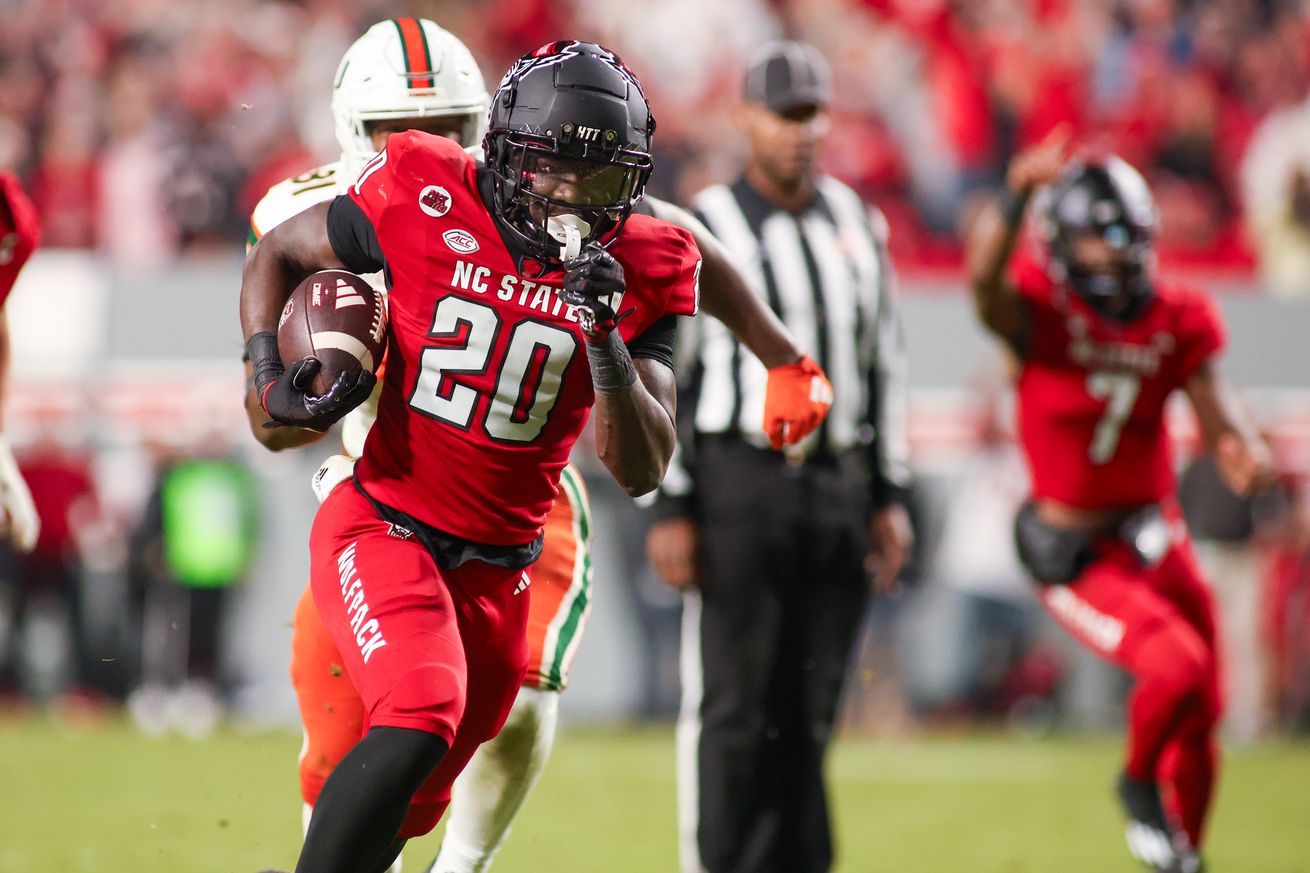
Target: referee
column 774, row 552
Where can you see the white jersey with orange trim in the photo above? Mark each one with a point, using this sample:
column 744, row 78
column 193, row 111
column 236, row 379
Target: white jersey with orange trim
column 291, row 197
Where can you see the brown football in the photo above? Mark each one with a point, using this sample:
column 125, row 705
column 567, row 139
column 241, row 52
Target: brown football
column 338, row 318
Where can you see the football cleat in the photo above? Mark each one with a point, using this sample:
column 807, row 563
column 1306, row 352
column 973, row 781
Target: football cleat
column 1151, row 839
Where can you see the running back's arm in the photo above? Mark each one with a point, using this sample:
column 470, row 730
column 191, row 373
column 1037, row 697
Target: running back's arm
column 634, row 427
column 274, row 439
column 726, row 295
column 274, row 266
column 277, row 263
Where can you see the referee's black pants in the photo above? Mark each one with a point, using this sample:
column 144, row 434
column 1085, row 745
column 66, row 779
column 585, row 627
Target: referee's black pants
column 766, row 641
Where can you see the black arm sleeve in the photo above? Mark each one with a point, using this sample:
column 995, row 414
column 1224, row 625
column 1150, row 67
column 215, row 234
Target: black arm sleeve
column 352, row 236
column 656, row 341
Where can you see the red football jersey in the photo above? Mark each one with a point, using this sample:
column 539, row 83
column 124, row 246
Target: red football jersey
column 20, row 232
column 1091, row 393
column 487, row 385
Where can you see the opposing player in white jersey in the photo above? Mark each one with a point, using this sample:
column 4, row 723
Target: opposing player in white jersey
column 409, row 73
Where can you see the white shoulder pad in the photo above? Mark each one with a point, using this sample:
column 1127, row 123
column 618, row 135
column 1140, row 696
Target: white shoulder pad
column 293, row 196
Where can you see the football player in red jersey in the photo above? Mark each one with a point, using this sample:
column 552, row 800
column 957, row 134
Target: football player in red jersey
column 501, row 278
column 380, row 89
column 1100, row 344
column 20, row 233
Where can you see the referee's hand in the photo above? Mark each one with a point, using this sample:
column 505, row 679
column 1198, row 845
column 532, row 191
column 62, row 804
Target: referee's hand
column 671, row 550
column 890, row 539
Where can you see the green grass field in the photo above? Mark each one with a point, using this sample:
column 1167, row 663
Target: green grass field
column 107, row 800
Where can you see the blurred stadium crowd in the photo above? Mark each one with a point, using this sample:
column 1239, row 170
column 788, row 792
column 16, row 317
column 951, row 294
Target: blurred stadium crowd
column 146, row 130
column 180, row 114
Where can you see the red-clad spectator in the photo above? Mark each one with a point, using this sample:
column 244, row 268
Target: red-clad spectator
column 950, row 88
column 60, row 481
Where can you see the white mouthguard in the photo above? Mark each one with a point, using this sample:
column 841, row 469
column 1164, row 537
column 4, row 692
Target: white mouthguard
column 568, row 229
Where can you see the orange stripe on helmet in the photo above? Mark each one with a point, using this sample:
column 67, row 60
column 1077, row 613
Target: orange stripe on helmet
column 417, row 57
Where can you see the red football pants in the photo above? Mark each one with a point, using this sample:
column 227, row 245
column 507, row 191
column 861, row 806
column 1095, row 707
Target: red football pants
column 441, row 651
column 1159, row 625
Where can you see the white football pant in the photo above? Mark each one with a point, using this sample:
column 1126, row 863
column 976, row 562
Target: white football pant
column 489, row 793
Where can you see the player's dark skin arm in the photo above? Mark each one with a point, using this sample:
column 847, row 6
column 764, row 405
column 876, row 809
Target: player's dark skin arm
column 274, row 266
column 726, row 296
column 991, row 241
column 634, row 427
column 1242, row 456
column 278, row 262
column 999, row 306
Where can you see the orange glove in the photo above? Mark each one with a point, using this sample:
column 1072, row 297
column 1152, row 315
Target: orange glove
column 796, row 399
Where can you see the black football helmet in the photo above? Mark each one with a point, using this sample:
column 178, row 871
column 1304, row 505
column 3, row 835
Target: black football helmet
column 1108, row 199
column 569, row 110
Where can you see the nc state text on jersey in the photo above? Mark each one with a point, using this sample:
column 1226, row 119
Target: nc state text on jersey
column 1109, row 355
column 539, row 296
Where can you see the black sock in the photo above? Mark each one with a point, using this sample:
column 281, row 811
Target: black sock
column 364, row 801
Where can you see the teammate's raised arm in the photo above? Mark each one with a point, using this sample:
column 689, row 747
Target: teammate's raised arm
column 991, row 240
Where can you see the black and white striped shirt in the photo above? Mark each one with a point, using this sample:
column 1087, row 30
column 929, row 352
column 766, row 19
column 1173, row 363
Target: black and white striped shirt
column 826, row 273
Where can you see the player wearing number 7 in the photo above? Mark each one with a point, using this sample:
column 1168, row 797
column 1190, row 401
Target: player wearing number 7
column 1100, row 345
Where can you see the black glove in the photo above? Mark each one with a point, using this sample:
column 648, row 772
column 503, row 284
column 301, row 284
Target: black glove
column 590, row 280
column 283, row 392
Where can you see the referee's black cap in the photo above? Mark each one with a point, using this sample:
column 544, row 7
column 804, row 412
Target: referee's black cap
column 786, row 75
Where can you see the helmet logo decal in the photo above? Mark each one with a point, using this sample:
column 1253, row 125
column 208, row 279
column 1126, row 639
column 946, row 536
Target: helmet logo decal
column 460, row 241
column 548, row 55
column 434, row 200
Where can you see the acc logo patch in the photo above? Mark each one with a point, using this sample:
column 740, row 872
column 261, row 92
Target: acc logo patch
column 460, row 241
column 434, row 200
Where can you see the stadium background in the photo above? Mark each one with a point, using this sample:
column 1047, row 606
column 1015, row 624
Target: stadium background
column 146, row 130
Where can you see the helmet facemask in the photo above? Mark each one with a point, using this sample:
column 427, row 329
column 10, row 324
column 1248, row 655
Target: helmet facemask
column 1117, row 287
column 1101, row 233
column 569, row 149
column 539, row 184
